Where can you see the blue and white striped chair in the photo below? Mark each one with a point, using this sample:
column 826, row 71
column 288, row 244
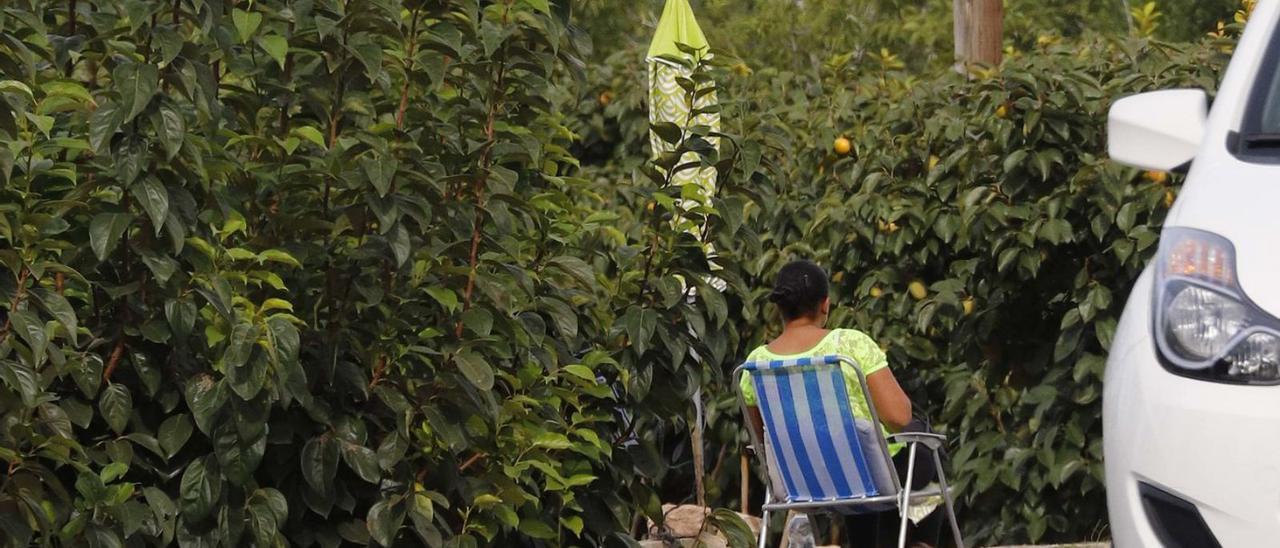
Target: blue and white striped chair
column 820, row 457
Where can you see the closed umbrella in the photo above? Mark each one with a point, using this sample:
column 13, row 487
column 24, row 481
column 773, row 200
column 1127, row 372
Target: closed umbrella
column 668, row 101
column 678, row 44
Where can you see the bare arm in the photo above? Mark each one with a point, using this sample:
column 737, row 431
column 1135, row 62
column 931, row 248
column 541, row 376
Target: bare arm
column 892, row 404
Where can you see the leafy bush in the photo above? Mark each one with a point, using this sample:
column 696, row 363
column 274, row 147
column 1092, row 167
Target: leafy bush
column 320, row 273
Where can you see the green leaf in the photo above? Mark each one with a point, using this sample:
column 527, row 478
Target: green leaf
column 639, row 324
column 238, row 455
column 276, row 46
column 87, row 372
column 446, row 297
column 206, row 398
column 284, row 339
column 169, row 41
column 103, row 125
column 174, row 433
column 362, row 460
column 320, row 463
column 170, row 128
column 552, row 440
column 137, row 84
column 240, row 345
column 30, row 328
column 160, row 503
column 113, row 471
column 400, row 243
column 246, row 23
column 146, row 441
column 97, row 536
column 1127, row 217
column 564, row 316
column 540, row 5
column 577, row 268
column 267, row 511
column 536, row 528
column 310, row 134
column 381, row 172
column 150, row 192
column 7, row 122
column 668, row 132
column 181, row 315
column 116, row 405
column 21, row 379
column 475, row 369
column 200, row 489
column 104, row 232
column 279, row 256
column 384, row 521
column 58, row 307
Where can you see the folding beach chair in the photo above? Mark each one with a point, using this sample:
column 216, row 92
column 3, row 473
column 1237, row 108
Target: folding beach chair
column 820, row 457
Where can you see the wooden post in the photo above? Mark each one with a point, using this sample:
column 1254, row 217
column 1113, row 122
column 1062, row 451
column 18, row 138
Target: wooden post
column 960, row 27
column 988, row 31
column 978, row 31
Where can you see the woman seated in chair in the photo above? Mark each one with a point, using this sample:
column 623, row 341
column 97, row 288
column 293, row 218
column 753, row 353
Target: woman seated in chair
column 801, row 295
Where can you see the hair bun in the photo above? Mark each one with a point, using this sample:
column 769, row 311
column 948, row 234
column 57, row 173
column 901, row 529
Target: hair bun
column 780, row 293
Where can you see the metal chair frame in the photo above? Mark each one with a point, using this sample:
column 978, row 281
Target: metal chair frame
column 900, row 497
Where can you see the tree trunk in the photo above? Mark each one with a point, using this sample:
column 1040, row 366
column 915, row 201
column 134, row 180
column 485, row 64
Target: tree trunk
column 978, row 32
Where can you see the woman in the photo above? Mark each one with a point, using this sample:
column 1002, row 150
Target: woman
column 801, row 294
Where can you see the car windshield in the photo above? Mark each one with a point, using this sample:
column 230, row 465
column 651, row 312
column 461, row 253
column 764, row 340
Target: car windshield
column 1260, row 131
column 1269, row 121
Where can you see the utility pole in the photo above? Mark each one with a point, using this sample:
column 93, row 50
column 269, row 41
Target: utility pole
column 978, row 32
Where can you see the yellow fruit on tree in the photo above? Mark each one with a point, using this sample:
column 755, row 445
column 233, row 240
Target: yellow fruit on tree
column 917, row 290
column 1168, row 198
column 650, row 206
column 875, row 292
column 1002, row 111
column 842, row 146
column 606, row 97
column 968, row 305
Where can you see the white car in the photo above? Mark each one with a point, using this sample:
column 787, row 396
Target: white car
column 1191, row 406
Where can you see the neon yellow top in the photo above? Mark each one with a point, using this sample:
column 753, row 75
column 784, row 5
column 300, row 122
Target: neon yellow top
column 845, row 342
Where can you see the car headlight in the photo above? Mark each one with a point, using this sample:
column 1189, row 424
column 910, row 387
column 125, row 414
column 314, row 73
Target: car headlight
column 1205, row 326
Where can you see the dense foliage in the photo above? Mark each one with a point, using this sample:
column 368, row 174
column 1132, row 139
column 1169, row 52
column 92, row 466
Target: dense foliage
column 320, row 273
column 386, row 272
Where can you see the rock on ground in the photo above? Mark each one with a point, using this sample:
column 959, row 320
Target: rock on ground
column 683, row 525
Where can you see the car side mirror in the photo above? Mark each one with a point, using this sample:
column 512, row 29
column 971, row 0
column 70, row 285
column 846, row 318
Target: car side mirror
column 1160, row 130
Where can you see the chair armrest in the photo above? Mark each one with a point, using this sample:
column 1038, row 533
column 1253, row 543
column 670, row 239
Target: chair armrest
column 930, row 440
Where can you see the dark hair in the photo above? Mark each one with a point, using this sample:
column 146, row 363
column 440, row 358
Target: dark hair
column 799, row 289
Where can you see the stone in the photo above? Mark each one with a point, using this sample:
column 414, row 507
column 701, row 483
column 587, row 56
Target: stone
column 685, row 522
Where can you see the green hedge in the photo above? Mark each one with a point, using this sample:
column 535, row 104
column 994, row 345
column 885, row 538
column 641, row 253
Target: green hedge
column 321, row 273
column 381, row 272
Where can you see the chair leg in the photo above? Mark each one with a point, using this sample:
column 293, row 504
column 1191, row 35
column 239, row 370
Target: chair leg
column 905, row 507
column 764, row 520
column 946, row 498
